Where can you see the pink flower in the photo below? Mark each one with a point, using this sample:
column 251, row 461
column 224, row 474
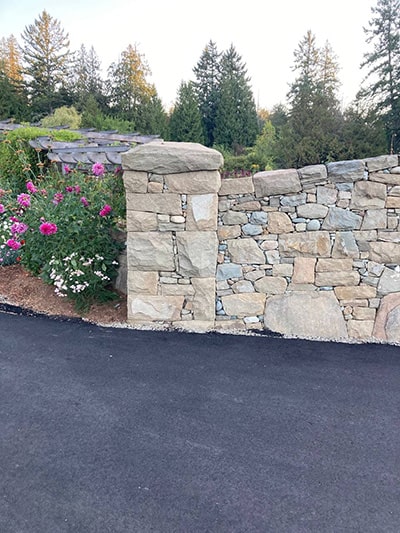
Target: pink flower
column 48, row 228
column 13, row 244
column 57, row 198
column 106, row 210
column 31, row 188
column 2, row 209
column 98, row 169
column 24, row 200
column 19, row 227
column 69, row 188
column 84, row 202
column 14, row 219
column 67, row 169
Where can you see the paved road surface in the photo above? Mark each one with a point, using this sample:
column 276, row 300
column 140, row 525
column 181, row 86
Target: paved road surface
column 113, row 430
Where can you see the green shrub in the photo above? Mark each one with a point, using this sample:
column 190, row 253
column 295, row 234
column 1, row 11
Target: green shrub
column 63, row 116
column 19, row 162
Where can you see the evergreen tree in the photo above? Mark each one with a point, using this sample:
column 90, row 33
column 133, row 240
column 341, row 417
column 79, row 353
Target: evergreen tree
column 312, row 132
column 185, row 120
column 87, row 80
column 206, row 86
column 46, row 57
column 152, row 118
column 128, row 85
column 383, row 66
column 236, row 117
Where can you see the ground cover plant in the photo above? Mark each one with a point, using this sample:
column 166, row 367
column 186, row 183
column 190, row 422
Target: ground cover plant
column 61, row 226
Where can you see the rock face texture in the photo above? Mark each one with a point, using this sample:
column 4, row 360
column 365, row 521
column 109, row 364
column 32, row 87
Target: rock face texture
column 313, row 252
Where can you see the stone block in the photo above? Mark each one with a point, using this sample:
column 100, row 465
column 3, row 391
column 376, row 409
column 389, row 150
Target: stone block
column 312, row 175
column 364, row 313
column 374, row 219
column 315, row 244
column 334, row 279
column 204, row 298
column 139, row 221
column 389, row 282
column 381, row 162
column 245, row 251
column 360, row 329
column 135, row 182
column 197, row 253
column 279, row 223
column 201, row 182
column 368, row 195
column 358, row 292
column 167, row 204
column 312, row 211
column 150, row 251
column 228, row 232
column 346, row 171
column 242, row 305
column 384, row 252
column 341, row 219
column 233, row 217
column 202, row 212
column 243, row 286
column 160, row 157
column 305, row 314
column 326, row 195
column 236, row 186
column 154, row 308
column 228, row 271
column 304, row 270
column 140, row 282
column 345, row 245
column 282, row 270
column 392, row 202
column 274, row 182
column 385, row 177
column 271, row 285
column 387, row 323
column 334, row 265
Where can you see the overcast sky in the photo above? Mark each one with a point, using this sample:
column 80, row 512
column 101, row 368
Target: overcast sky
column 171, row 34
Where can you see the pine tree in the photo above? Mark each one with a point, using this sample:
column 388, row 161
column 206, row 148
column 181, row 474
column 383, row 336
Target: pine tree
column 383, row 66
column 312, row 132
column 46, row 56
column 236, row 116
column 206, row 86
column 86, row 78
column 185, row 121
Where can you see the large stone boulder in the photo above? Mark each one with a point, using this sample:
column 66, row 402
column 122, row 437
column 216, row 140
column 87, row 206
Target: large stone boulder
column 305, row 314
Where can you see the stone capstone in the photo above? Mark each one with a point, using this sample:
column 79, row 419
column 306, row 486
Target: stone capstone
column 346, row 171
column 305, row 314
column 273, row 182
column 171, row 158
column 236, row 186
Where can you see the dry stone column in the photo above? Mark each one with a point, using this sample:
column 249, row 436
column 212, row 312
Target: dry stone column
column 172, row 212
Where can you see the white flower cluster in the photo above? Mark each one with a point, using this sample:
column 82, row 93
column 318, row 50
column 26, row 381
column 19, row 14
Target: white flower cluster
column 67, row 273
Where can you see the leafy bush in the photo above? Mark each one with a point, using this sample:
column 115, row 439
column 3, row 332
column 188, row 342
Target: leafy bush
column 63, row 116
column 19, row 162
column 63, row 227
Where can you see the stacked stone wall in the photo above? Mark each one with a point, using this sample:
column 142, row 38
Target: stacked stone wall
column 313, row 252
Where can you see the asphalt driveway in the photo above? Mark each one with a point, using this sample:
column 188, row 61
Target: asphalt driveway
column 117, row 430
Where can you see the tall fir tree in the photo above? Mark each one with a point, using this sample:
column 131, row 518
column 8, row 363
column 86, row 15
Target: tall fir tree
column 206, row 86
column 128, row 85
column 46, row 58
column 185, row 121
column 312, row 132
column 86, row 78
column 13, row 100
column 236, row 124
column 383, row 67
